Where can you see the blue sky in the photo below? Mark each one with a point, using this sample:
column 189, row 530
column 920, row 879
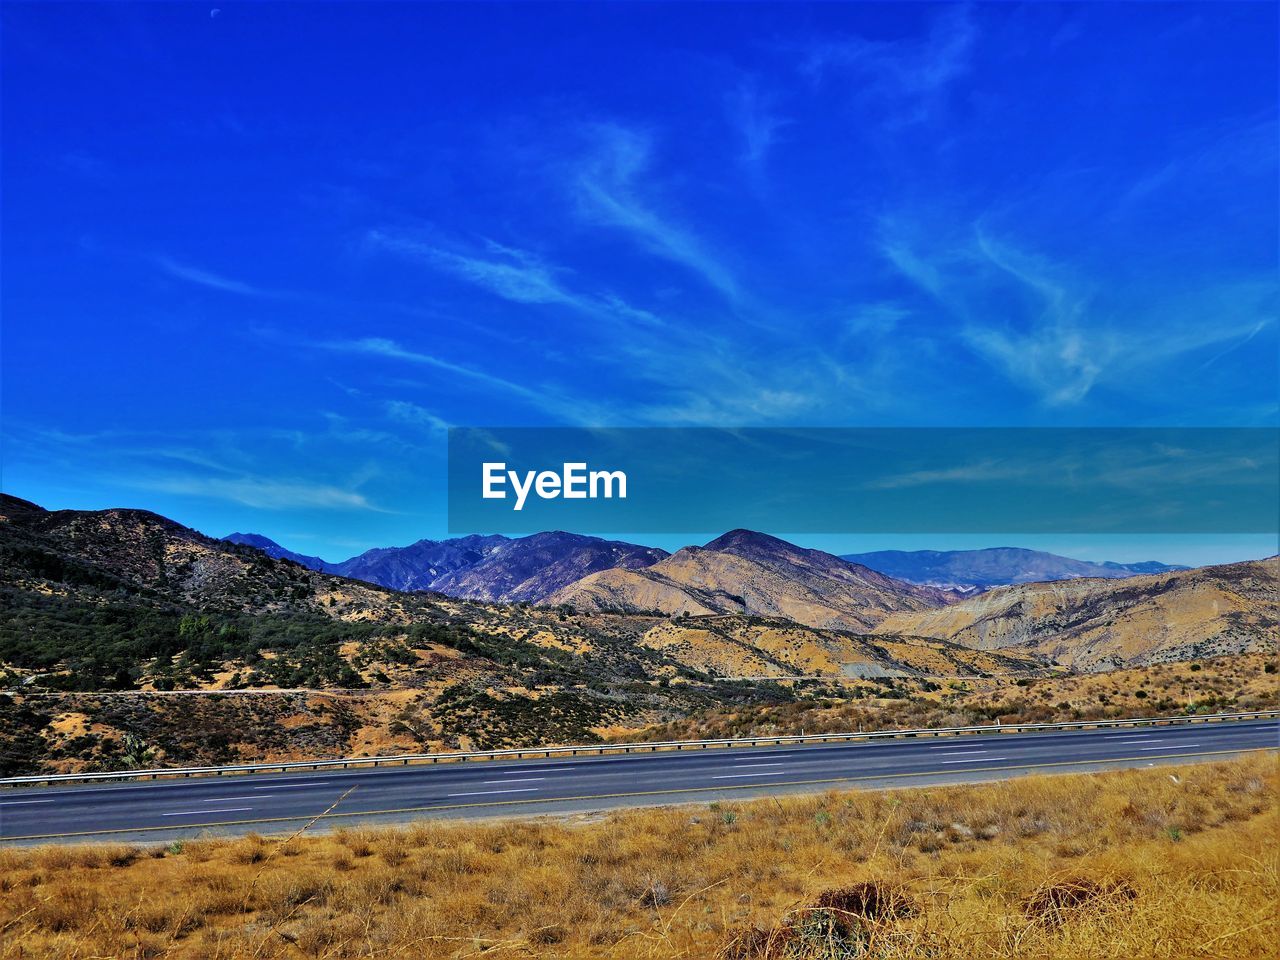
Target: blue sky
column 257, row 257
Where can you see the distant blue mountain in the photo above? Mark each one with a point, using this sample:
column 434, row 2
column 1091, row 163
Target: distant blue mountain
column 477, row 567
column 973, row 570
column 273, row 549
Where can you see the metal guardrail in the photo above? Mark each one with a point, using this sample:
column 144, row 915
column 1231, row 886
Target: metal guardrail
column 519, row 753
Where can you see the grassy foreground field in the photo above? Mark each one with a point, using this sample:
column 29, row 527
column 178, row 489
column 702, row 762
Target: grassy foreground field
column 1168, row 862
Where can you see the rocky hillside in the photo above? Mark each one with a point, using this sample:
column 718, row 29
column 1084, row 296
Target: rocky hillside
column 494, row 568
column 745, row 647
column 750, row 573
column 1097, row 624
column 127, row 600
column 533, row 568
column 103, row 556
column 970, row 571
column 420, row 565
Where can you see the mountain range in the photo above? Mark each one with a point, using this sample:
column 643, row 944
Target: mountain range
column 756, row 574
column 970, row 571
column 1102, row 624
column 493, row 568
column 126, row 599
column 96, row 604
column 135, row 595
column 531, row 569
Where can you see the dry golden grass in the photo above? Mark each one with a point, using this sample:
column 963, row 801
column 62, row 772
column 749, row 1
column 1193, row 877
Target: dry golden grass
column 1131, row 864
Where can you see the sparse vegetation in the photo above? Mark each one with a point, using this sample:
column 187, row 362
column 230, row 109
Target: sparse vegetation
column 1222, row 685
column 1130, row 864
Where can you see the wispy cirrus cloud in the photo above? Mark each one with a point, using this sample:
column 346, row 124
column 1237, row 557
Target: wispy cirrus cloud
column 565, row 407
column 909, row 76
column 406, row 411
column 608, row 187
column 392, row 350
column 508, row 273
column 754, row 115
column 512, row 274
column 207, row 278
column 259, row 492
column 209, row 464
column 1044, row 329
column 979, row 471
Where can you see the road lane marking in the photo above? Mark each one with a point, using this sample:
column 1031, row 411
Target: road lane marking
column 671, row 791
column 485, row 793
column 1170, row 746
column 522, row 780
column 192, row 813
column 318, row 783
column 975, row 760
column 227, row 799
column 18, row 803
column 960, row 746
column 737, row 776
column 753, row 766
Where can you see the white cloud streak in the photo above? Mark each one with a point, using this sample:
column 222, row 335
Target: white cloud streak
column 607, row 187
column 209, row 279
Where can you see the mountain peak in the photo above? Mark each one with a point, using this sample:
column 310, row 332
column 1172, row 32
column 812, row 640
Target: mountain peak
column 11, row 505
column 741, row 539
column 277, row 552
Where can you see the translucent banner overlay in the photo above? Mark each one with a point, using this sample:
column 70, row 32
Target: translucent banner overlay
column 864, row 480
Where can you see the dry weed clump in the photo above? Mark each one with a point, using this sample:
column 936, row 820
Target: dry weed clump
column 1169, row 862
column 851, row 921
column 1056, row 902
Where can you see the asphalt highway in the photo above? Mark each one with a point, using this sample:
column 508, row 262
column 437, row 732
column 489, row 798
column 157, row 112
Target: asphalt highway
column 267, row 803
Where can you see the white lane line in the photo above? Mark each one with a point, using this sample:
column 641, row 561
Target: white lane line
column 521, row 780
column 753, row 766
column 489, row 793
column 193, row 813
column 227, row 799
column 1122, row 736
column 738, row 776
column 318, row 783
column 1170, row 746
column 975, row 760
column 959, row 746
column 542, row 769
column 18, row 803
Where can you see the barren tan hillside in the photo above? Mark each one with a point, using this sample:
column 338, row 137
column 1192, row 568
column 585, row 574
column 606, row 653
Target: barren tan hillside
column 773, row 579
column 750, row 647
column 1103, row 624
